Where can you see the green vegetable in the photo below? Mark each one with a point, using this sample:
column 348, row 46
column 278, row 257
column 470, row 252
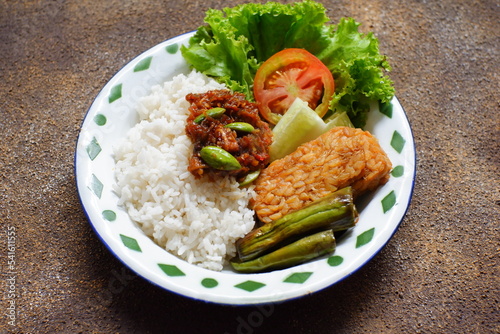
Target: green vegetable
column 236, row 41
column 335, row 211
column 338, row 119
column 214, row 112
column 297, row 252
column 240, row 126
column 219, row 158
column 250, row 178
column 358, row 70
column 298, row 125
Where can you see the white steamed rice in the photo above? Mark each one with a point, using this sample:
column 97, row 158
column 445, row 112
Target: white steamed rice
column 197, row 220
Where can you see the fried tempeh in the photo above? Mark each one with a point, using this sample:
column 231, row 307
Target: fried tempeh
column 339, row 158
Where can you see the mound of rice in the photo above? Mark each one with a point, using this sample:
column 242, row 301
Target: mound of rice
column 197, row 220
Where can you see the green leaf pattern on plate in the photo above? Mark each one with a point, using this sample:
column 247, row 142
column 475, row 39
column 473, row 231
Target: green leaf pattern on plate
column 209, row 283
column 389, row 201
column 398, row 171
column 115, row 94
column 386, row 109
column 298, row 278
column 250, row 285
column 96, row 186
column 93, row 149
column 335, row 260
column 172, row 48
column 171, row 270
column 365, row 237
column 130, row 243
column 143, row 64
column 397, row 142
column 100, row 119
column 109, row 215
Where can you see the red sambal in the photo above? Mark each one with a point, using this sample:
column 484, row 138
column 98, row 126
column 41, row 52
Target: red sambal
column 251, row 149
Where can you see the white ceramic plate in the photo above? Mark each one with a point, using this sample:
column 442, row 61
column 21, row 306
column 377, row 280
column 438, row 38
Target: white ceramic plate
column 113, row 113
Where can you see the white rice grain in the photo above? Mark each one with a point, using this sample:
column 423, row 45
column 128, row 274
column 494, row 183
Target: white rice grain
column 197, row 220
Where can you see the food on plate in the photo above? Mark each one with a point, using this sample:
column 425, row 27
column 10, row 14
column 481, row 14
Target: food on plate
column 289, row 74
column 229, row 137
column 235, row 42
column 212, row 112
column 218, row 158
column 196, row 219
column 339, row 158
column 297, row 252
column 299, row 125
column 258, row 154
column 335, row 212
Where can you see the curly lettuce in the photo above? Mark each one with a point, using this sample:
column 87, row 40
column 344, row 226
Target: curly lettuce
column 234, row 42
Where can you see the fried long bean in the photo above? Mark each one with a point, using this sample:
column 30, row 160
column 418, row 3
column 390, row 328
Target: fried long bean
column 335, row 212
column 297, row 252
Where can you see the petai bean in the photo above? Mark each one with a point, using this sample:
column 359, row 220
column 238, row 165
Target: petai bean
column 240, row 126
column 214, row 113
column 250, row 178
column 219, row 158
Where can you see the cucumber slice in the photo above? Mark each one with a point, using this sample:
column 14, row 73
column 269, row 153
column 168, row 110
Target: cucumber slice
column 338, row 119
column 298, row 125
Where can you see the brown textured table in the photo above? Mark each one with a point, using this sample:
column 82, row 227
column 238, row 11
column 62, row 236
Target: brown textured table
column 439, row 274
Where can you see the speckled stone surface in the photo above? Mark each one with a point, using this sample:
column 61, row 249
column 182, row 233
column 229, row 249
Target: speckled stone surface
column 439, row 273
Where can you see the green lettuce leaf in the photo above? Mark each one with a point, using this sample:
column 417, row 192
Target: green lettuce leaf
column 358, row 70
column 234, row 42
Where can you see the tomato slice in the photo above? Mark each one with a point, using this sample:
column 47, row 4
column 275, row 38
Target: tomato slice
column 289, row 74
